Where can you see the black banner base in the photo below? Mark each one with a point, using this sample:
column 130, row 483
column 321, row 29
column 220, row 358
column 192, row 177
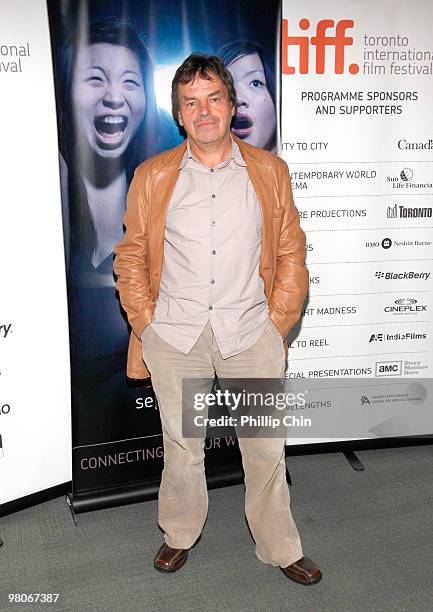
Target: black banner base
column 132, row 494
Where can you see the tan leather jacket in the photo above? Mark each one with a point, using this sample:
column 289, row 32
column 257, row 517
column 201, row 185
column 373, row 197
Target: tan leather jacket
column 139, row 256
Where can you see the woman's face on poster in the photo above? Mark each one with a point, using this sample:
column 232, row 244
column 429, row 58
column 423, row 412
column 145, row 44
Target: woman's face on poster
column 108, row 97
column 255, row 120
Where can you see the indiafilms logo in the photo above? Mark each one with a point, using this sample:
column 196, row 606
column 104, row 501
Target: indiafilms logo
column 402, row 275
column 389, row 337
column 405, row 306
column 406, row 212
column 320, row 41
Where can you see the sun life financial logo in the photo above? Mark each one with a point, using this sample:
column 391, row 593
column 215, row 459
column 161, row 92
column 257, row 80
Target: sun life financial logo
column 320, row 41
column 404, row 181
column 406, row 174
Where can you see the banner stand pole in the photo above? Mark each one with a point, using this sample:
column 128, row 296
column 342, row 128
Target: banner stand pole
column 71, row 508
column 354, row 461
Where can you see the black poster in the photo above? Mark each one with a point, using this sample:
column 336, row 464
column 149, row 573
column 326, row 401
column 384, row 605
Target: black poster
column 113, row 65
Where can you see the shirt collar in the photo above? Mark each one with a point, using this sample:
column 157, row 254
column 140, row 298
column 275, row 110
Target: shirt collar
column 235, row 155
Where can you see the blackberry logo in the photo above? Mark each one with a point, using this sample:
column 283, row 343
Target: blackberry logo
column 406, row 174
column 403, row 275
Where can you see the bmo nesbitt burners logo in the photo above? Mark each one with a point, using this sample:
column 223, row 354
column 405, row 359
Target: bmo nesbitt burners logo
column 328, row 33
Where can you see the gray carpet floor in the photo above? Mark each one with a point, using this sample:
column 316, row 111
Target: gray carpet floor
column 371, row 532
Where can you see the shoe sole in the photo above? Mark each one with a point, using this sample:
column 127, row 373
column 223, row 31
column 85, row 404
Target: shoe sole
column 302, row 582
column 170, row 571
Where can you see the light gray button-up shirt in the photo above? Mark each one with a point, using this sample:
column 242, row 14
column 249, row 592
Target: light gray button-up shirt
column 212, row 249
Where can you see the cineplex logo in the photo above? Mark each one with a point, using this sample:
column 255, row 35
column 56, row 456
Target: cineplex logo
column 406, row 306
column 402, row 275
column 320, row 41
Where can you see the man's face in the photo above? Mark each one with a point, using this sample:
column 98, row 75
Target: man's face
column 205, row 110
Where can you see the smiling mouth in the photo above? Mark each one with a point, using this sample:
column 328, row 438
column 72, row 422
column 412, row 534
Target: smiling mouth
column 110, row 128
column 242, row 126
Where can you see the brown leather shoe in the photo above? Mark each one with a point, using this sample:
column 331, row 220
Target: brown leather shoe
column 170, row 559
column 304, row 571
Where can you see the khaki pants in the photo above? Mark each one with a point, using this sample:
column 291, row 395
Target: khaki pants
column 183, row 498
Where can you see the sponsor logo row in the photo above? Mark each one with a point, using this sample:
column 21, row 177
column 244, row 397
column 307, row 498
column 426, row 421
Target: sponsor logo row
column 317, row 145
column 404, row 180
column 382, row 336
column 392, row 211
column 399, row 307
column 382, row 275
column 397, row 368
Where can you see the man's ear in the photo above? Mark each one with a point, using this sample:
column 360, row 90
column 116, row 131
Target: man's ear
column 179, row 119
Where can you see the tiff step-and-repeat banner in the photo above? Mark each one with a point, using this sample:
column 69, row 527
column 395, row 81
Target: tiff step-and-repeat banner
column 357, row 94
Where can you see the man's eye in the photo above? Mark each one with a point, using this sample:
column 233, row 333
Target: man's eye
column 190, row 103
column 257, row 83
column 215, row 99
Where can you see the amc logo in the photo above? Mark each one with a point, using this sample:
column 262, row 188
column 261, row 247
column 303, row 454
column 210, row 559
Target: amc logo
column 389, row 368
column 327, row 34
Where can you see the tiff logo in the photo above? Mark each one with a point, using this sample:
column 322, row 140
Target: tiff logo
column 339, row 41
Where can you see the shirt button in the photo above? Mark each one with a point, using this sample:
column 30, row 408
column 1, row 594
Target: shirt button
column 213, row 252
column 210, row 307
column 212, row 281
column 212, row 170
column 213, row 195
column 213, row 222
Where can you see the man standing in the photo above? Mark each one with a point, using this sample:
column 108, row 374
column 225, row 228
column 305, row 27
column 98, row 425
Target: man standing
column 211, row 274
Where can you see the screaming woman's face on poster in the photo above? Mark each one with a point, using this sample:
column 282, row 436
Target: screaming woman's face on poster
column 108, row 97
column 255, row 120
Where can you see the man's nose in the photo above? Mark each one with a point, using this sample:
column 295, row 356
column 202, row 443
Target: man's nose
column 113, row 97
column 204, row 107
